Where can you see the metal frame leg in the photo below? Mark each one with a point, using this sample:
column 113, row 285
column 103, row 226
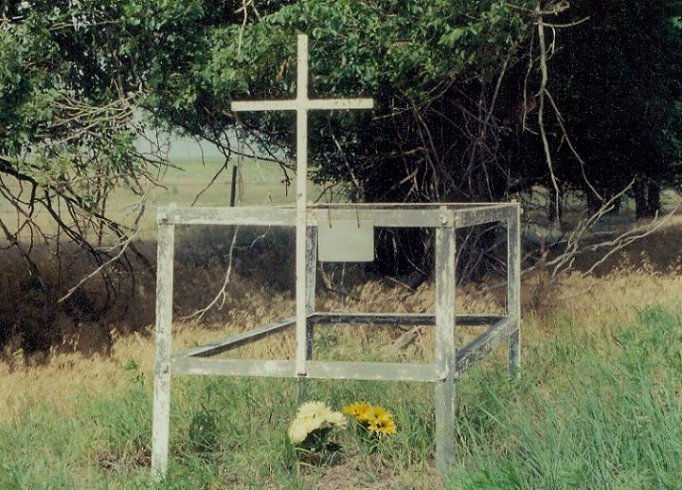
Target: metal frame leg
column 514, row 290
column 162, row 373
column 310, row 278
column 445, row 343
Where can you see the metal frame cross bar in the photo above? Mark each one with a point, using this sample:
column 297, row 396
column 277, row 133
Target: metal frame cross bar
column 301, row 104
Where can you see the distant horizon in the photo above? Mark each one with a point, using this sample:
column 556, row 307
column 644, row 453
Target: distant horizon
column 183, row 147
column 180, row 147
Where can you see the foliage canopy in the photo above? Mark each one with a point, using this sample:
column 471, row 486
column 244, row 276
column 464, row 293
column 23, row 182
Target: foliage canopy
column 462, row 89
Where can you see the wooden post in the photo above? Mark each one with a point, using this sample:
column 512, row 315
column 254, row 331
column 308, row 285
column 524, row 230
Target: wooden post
column 445, row 343
column 310, row 279
column 233, row 186
column 301, row 202
column 514, row 289
column 162, row 374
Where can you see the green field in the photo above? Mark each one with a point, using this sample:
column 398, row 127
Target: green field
column 258, row 184
column 188, row 182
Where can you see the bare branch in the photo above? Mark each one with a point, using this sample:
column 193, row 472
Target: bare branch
column 541, row 103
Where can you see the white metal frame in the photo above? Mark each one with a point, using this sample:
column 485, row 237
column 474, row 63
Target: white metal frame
column 449, row 363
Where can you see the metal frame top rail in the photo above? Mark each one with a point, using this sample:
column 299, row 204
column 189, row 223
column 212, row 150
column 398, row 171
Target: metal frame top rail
column 407, row 216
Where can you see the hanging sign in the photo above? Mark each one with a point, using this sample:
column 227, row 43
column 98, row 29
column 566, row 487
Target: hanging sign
column 345, row 240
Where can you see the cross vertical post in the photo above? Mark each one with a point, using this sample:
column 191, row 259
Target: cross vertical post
column 310, row 278
column 302, row 104
column 301, row 202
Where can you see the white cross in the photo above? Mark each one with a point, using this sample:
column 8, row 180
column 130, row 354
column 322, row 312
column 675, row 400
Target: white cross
column 301, row 104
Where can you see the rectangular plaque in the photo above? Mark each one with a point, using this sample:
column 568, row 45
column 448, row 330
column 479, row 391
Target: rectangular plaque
column 345, row 240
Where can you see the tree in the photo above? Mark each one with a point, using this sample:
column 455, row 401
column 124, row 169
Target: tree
column 66, row 120
column 68, row 99
column 79, row 70
column 435, row 69
column 469, row 97
column 73, row 80
column 618, row 80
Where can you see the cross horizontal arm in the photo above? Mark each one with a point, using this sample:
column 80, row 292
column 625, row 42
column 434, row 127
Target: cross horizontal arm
column 295, row 104
column 265, row 105
column 322, row 104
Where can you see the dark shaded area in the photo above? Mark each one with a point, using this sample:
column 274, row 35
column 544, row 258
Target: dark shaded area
column 617, row 78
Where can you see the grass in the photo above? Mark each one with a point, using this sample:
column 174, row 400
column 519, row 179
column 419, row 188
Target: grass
column 599, row 405
column 600, row 415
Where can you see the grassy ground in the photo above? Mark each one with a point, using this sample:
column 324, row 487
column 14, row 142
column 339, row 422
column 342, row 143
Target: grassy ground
column 599, row 404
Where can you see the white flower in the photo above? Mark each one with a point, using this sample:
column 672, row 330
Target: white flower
column 301, row 428
column 312, row 416
column 337, row 419
column 312, row 410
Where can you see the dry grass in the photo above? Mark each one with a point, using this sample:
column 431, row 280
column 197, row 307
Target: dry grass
column 593, row 302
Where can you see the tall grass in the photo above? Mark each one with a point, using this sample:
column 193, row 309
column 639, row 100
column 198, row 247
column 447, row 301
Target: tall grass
column 591, row 412
column 599, row 405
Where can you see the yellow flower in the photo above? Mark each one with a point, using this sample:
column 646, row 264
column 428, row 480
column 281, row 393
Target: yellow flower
column 361, row 411
column 383, row 425
column 378, row 412
column 374, row 418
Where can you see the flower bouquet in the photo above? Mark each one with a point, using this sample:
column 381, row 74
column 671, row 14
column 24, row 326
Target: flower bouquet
column 310, row 431
column 373, row 421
